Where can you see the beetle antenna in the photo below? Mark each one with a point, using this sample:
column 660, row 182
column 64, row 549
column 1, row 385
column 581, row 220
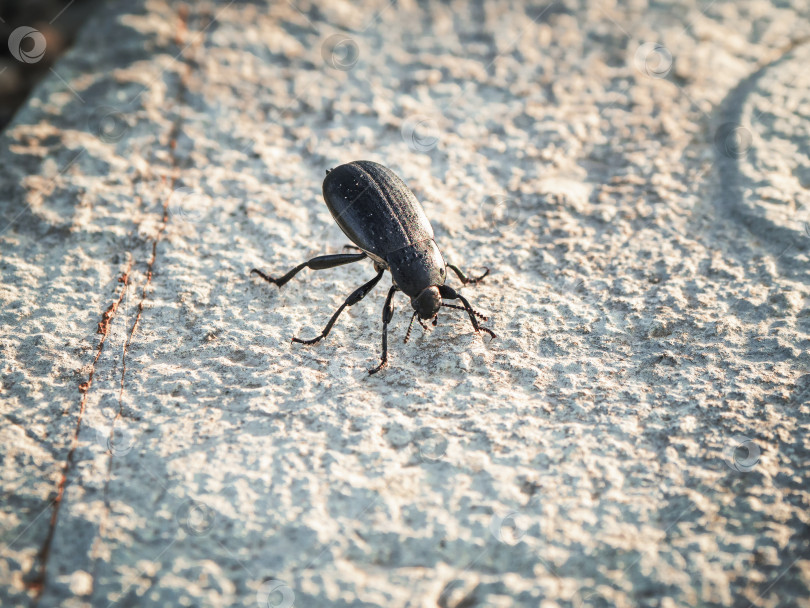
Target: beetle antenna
column 475, row 312
column 410, row 325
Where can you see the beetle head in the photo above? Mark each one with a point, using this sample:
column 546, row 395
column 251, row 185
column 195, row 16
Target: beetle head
column 427, row 303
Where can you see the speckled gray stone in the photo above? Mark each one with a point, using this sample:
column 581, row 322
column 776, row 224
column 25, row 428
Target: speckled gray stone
column 637, row 434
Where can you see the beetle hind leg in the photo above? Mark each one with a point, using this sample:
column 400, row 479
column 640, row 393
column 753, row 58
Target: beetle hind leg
column 322, row 262
column 357, row 295
column 464, row 278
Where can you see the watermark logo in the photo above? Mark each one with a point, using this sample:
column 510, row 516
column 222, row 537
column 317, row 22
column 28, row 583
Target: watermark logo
column 187, row 205
column 195, row 517
column 109, row 124
column 741, row 454
column 27, row 44
column 275, row 594
column 590, row 598
column 421, row 133
column 508, row 528
column 653, row 60
column 501, row 211
column 117, row 441
column 340, row 52
column 733, row 140
column 431, row 444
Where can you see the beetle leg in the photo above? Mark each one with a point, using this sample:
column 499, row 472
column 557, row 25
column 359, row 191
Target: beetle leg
column 321, row 262
column 357, row 295
column 352, row 247
column 451, row 294
column 464, row 278
column 475, row 312
column 388, row 313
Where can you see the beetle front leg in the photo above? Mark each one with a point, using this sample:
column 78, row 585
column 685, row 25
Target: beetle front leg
column 451, row 294
column 388, row 313
column 322, row 262
column 357, row 295
column 464, row 278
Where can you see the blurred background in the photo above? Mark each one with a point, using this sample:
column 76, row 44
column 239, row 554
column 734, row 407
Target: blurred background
column 56, row 29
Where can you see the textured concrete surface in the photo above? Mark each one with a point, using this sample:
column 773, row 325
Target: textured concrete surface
column 636, row 175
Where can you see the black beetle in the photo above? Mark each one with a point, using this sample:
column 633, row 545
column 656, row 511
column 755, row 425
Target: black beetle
column 378, row 212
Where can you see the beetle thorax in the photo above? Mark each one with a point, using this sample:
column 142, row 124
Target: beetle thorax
column 416, row 267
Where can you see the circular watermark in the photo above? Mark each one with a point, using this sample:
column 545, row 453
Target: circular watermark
column 741, row 453
column 432, row 445
column 580, row 290
column 591, row 598
column 27, row 44
column 117, row 441
column 275, row 594
column 733, row 140
column 508, row 528
column 187, row 205
column 195, row 517
column 340, row 52
column 421, row 133
column 573, row 285
column 501, row 211
column 653, row 60
column 108, row 123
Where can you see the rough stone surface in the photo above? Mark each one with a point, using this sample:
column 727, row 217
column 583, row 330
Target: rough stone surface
column 637, row 434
